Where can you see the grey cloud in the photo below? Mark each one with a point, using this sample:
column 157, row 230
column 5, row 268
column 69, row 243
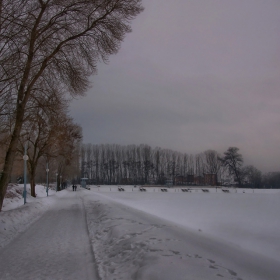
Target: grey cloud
column 193, row 75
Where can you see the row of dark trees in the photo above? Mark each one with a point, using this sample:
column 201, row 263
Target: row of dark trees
column 271, row 180
column 115, row 164
column 48, row 50
column 48, row 134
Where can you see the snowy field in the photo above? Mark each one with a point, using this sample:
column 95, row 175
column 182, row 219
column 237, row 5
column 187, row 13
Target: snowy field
column 169, row 235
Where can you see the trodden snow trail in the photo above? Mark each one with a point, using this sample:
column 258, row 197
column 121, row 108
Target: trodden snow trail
column 56, row 247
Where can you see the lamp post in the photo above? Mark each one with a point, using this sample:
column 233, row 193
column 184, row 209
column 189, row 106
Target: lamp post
column 56, row 181
column 25, row 158
column 47, row 170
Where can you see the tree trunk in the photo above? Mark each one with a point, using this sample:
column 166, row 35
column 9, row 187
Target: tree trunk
column 32, row 185
column 32, row 172
column 11, row 154
column 7, row 169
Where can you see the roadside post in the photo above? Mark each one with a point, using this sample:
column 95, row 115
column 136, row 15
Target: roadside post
column 25, row 158
column 56, row 181
column 47, row 170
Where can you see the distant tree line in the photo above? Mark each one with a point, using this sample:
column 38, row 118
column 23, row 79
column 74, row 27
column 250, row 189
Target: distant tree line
column 271, row 180
column 141, row 164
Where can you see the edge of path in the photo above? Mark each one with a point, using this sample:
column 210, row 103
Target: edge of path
column 87, row 221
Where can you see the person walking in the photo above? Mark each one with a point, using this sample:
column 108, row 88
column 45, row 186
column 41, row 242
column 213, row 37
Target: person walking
column 73, row 187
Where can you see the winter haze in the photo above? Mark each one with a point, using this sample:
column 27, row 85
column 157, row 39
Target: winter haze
column 193, row 75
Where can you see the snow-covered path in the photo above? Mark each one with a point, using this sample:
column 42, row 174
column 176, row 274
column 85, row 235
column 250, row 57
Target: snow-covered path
column 55, row 247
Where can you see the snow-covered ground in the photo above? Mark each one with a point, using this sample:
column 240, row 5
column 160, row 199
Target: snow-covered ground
column 169, row 235
column 16, row 217
column 185, row 235
column 249, row 218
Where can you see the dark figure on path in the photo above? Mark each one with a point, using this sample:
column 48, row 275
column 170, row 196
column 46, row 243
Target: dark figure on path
column 73, row 187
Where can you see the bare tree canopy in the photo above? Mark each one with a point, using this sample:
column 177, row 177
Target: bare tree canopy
column 48, row 132
column 252, row 177
column 62, row 39
column 233, row 160
column 54, row 44
column 212, row 162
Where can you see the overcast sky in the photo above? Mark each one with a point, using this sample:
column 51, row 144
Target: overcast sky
column 193, row 75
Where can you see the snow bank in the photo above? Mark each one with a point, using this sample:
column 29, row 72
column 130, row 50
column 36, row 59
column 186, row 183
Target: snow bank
column 16, row 217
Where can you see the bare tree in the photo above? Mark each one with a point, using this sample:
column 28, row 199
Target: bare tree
column 35, row 135
column 252, row 176
column 48, row 134
column 199, row 165
column 59, row 41
column 212, row 163
column 233, row 161
column 67, row 140
column 271, row 180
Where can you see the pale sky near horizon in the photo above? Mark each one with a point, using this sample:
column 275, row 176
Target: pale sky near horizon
column 193, row 75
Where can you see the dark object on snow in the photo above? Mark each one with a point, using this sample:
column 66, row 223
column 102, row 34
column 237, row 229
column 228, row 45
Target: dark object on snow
column 186, row 190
